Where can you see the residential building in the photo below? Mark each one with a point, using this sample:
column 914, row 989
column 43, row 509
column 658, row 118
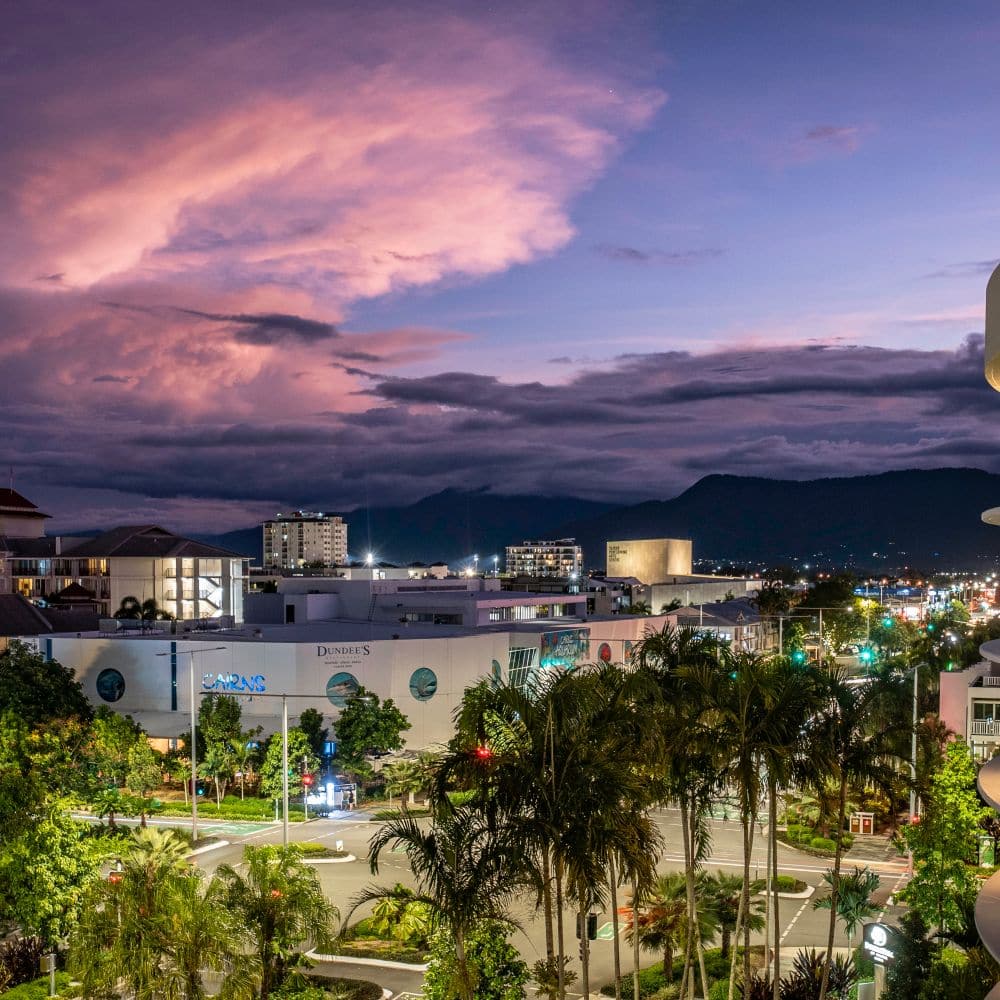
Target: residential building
column 304, row 538
column 737, row 623
column 555, row 557
column 187, row 579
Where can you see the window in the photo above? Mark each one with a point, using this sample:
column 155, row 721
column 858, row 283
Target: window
column 521, row 666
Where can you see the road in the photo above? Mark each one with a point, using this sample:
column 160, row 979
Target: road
column 801, row 924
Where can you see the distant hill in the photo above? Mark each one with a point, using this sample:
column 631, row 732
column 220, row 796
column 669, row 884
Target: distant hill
column 450, row 526
column 923, row 518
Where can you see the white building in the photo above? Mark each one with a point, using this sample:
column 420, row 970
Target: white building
column 557, row 557
column 420, row 643
column 187, row 578
column 303, row 538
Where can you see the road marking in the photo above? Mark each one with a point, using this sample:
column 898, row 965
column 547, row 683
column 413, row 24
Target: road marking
column 606, row 932
column 892, row 896
column 796, row 917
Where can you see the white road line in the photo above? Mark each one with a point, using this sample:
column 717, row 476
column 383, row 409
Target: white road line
column 892, row 895
column 792, row 923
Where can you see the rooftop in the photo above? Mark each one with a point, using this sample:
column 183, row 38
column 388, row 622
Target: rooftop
column 11, row 502
column 146, row 540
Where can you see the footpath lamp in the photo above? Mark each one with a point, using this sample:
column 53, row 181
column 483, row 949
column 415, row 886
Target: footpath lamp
column 194, row 736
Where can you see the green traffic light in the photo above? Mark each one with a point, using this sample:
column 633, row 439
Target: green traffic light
column 887, row 622
column 798, row 656
column 931, row 626
column 865, row 656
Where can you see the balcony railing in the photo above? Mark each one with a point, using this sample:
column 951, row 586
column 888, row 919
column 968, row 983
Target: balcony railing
column 984, row 727
column 989, row 681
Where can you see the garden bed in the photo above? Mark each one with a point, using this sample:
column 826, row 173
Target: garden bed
column 818, row 847
column 652, row 980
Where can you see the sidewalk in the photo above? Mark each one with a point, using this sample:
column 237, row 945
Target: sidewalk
column 871, row 847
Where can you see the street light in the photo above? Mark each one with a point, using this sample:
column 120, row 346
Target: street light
column 194, row 736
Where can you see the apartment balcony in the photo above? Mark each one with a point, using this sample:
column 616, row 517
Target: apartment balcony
column 984, row 727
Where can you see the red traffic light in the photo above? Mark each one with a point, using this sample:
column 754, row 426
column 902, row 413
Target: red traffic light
column 483, row 752
column 307, row 780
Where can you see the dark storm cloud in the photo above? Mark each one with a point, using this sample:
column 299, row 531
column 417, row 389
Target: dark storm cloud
column 269, row 328
column 111, row 378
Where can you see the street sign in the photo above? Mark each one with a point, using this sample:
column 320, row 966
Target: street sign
column 881, row 942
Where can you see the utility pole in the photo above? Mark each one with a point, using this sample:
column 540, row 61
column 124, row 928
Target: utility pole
column 284, row 770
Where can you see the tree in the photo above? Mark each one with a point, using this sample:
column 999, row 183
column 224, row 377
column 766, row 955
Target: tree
column 368, row 725
column 154, row 926
column 944, row 843
column 663, row 919
column 496, row 966
column 299, row 756
column 914, row 956
column 725, row 892
column 466, row 873
column 145, row 773
column 217, row 764
column 132, row 609
column 278, row 898
column 404, row 777
column 856, row 737
column 114, row 736
column 44, row 875
column 36, row 689
column 854, row 900
column 311, row 723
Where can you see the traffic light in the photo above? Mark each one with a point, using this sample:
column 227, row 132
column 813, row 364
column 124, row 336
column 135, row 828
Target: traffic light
column 888, row 622
column 591, row 926
column 798, row 657
column 483, row 753
column 931, row 626
column 866, row 655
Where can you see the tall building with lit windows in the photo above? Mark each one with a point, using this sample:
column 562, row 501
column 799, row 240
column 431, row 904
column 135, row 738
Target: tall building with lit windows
column 302, row 538
column 558, row 557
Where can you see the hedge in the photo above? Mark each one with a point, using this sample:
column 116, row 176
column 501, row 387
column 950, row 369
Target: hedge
column 823, row 844
column 652, row 982
column 787, row 883
column 232, row 808
column 38, row 989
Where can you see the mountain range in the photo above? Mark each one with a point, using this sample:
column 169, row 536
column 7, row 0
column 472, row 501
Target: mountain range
column 929, row 519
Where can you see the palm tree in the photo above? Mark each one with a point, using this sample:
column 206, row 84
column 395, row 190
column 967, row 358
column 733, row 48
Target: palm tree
column 217, row 764
column 278, row 898
column 404, row 777
column 146, row 611
column 725, row 893
column 854, row 898
column 663, row 919
column 860, row 733
column 465, row 869
column 152, row 928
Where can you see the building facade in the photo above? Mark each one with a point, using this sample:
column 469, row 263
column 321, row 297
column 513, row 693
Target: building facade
column 649, row 560
column 304, row 538
column 560, row 557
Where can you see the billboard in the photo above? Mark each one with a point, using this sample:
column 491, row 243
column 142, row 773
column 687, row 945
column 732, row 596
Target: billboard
column 565, row 648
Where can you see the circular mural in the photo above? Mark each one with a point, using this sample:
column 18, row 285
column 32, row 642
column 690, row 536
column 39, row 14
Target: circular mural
column 110, row 684
column 604, row 653
column 423, row 683
column 340, row 687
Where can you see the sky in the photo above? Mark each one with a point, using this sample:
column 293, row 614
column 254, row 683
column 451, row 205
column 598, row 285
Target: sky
column 259, row 256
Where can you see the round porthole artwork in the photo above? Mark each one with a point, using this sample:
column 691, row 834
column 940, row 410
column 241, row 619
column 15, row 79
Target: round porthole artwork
column 604, row 653
column 110, row 684
column 340, row 687
column 423, row 683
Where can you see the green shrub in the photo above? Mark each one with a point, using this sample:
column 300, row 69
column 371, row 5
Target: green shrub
column 308, row 847
column 719, row 990
column 350, row 989
column 806, row 834
column 847, row 841
column 786, row 883
column 38, row 989
column 233, row 807
column 387, row 814
column 390, row 951
column 460, row 798
column 794, row 831
column 824, row 844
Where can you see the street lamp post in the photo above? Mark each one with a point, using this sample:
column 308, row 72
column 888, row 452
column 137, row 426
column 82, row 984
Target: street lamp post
column 194, row 736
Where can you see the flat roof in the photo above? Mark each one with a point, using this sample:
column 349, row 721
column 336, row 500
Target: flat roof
column 340, row 630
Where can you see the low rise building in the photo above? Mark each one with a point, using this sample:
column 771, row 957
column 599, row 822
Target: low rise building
column 969, row 702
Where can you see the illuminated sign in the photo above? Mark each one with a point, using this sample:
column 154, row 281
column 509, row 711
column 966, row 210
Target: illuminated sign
column 565, row 648
column 880, row 943
column 234, row 682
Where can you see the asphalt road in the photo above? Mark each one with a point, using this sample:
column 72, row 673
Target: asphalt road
column 801, row 924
